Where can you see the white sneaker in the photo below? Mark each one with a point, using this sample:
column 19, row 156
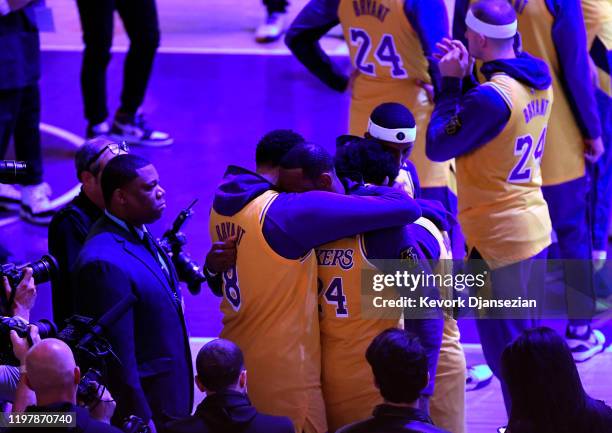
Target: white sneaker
column 584, row 347
column 272, row 29
column 477, row 377
column 35, row 204
column 98, row 130
column 10, row 197
column 136, row 131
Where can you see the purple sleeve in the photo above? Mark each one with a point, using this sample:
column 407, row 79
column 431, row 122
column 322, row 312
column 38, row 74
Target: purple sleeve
column 457, row 125
column 296, row 223
column 459, row 27
column 430, row 20
column 569, row 37
column 303, row 36
column 391, row 243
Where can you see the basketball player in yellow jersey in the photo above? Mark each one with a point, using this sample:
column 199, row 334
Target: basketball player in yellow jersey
column 501, row 207
column 270, row 298
column 553, row 30
column 387, row 126
column 391, row 44
column 346, row 327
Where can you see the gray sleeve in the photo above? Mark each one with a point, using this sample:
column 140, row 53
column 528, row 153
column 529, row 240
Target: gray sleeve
column 9, row 378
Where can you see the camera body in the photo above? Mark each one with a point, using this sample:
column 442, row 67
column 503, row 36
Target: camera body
column 87, row 391
column 172, row 242
column 134, row 424
column 43, row 270
column 46, row 329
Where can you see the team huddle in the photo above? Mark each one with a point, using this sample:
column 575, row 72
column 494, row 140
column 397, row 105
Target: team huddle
column 439, row 165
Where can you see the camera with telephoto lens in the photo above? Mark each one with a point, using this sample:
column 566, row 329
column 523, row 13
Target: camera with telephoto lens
column 46, row 329
column 42, row 271
column 134, row 424
column 172, row 242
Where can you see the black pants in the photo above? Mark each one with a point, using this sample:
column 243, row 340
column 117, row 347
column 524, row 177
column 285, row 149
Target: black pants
column 276, row 5
column 19, row 119
column 140, row 21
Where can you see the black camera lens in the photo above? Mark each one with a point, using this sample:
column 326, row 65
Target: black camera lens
column 46, row 328
column 12, row 171
column 43, row 270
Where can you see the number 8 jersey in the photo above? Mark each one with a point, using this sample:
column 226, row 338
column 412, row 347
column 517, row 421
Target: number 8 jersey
column 270, row 311
column 501, row 208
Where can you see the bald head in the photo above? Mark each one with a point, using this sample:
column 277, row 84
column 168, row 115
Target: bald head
column 51, row 368
column 496, row 12
column 491, row 30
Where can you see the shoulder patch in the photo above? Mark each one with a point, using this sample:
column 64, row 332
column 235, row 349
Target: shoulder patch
column 453, row 126
column 409, row 256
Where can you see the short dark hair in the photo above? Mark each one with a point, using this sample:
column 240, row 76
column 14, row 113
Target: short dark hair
column 399, row 364
column 120, row 171
column 219, row 364
column 365, row 160
column 274, row 145
column 83, row 159
column 313, row 159
column 497, row 12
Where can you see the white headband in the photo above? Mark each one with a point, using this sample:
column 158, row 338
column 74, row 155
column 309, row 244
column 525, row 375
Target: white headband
column 504, row 31
column 399, row 135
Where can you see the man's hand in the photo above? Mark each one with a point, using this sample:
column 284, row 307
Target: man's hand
column 21, row 345
column 222, row 255
column 593, row 149
column 454, row 59
column 450, row 65
column 25, row 295
column 104, row 407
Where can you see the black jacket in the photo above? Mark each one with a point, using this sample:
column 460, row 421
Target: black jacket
column 229, row 412
column 393, row 419
column 67, row 234
column 151, row 339
column 84, row 423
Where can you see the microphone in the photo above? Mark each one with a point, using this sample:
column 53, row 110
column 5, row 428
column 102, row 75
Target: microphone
column 111, row 316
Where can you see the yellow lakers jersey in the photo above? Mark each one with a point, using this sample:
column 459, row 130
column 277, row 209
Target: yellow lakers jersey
column 501, row 208
column 564, row 158
column 348, row 383
column 598, row 23
column 388, row 54
column 270, row 311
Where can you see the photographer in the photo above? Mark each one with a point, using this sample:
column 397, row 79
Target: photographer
column 54, row 377
column 25, row 296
